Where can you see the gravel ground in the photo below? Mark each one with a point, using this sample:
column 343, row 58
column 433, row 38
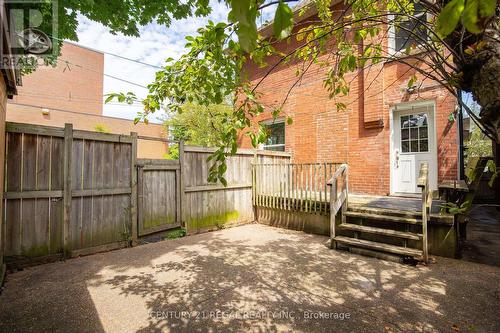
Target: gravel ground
column 249, row 278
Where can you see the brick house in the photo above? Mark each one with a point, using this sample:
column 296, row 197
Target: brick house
column 385, row 133
column 73, row 93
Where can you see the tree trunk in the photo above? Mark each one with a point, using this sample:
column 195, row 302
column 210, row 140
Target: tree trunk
column 481, row 77
column 496, row 183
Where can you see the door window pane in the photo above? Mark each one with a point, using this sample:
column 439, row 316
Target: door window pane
column 405, row 134
column 405, row 146
column 414, row 146
column 414, row 133
column 424, row 146
column 422, row 132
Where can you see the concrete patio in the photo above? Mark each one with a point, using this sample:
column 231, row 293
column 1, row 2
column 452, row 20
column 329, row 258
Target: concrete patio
column 249, row 278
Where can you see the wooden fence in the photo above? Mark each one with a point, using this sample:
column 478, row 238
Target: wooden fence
column 212, row 206
column 158, row 195
column 70, row 192
column 66, row 190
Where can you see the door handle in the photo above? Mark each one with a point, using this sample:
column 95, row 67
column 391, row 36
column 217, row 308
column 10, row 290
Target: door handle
column 397, row 158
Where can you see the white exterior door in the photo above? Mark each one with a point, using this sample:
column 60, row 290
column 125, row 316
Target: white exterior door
column 413, row 143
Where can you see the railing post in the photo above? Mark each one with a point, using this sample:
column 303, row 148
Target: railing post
column 423, row 183
column 424, row 222
column 333, row 199
column 67, row 193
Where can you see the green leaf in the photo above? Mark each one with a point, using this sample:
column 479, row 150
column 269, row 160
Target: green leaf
column 470, row 16
column 448, row 18
column 239, row 11
column 289, row 120
column 223, row 181
column 234, row 147
column 283, row 21
column 487, row 8
column 247, row 36
column 109, row 98
column 412, row 81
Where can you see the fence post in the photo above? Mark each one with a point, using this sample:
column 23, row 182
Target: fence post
column 67, row 193
column 133, row 188
column 181, row 186
column 254, row 186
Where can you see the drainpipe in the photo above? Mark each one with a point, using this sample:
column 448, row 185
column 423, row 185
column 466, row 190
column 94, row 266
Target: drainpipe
column 460, row 124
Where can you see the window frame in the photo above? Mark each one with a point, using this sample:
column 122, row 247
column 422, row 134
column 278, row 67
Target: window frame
column 392, row 38
column 280, row 120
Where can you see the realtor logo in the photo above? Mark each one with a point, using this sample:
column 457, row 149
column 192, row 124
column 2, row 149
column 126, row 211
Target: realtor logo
column 34, row 41
column 30, row 28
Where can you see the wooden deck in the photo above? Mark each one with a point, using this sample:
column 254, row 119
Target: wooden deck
column 394, row 204
column 398, row 204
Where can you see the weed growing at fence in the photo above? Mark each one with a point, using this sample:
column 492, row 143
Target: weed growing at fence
column 175, row 233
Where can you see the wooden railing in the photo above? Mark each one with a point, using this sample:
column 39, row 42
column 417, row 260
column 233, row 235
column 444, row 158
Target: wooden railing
column 338, row 198
column 423, row 183
column 294, row 187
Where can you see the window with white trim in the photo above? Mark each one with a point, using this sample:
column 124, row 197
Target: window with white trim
column 410, row 32
column 275, row 134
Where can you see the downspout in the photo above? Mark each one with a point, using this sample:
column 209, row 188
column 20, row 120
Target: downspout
column 460, row 124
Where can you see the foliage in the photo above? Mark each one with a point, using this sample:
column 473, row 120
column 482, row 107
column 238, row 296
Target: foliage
column 118, row 16
column 175, row 233
column 494, row 170
column 478, row 145
column 173, row 152
column 198, row 125
column 101, row 128
column 454, row 208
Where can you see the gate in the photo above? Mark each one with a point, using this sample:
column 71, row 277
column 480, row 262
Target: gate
column 158, row 195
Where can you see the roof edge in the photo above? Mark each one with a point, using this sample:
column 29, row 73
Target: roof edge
column 266, row 30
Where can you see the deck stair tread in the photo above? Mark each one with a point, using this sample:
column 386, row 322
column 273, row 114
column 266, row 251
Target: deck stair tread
column 381, row 231
column 389, row 218
column 378, row 246
column 384, row 211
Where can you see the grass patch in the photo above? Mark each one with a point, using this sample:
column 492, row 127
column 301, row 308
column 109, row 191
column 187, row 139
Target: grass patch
column 175, row 233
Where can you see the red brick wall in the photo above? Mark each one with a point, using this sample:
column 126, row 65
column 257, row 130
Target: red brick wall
column 74, row 94
column 321, row 133
column 77, row 86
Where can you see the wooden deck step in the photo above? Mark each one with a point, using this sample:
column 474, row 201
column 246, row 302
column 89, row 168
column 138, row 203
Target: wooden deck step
column 384, row 211
column 380, row 231
column 398, row 219
column 378, row 246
